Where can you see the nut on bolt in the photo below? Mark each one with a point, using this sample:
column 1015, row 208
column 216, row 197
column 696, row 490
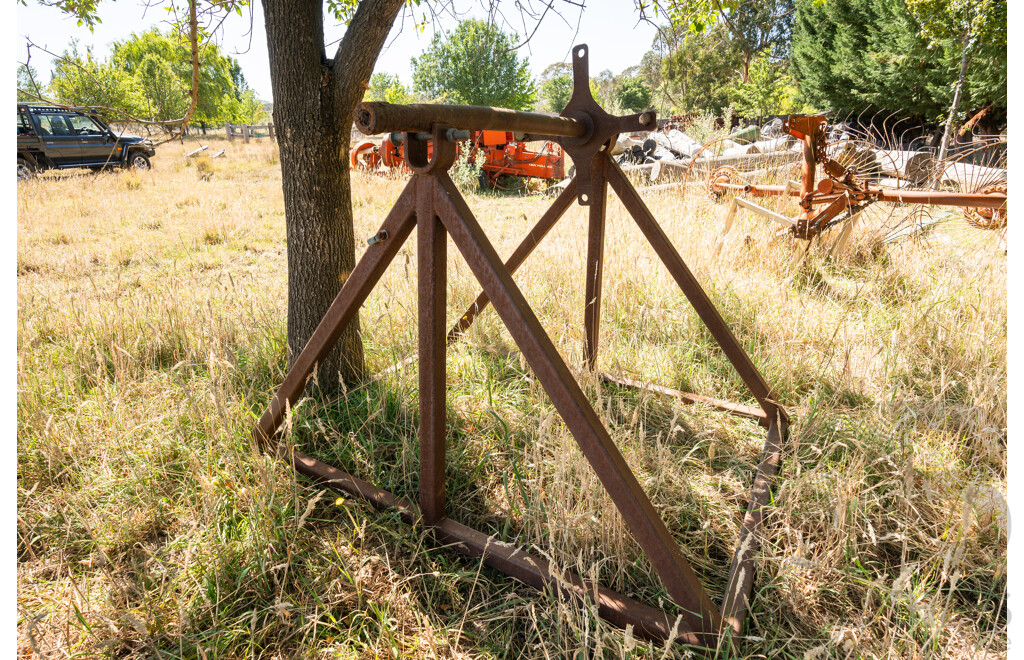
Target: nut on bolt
column 378, row 237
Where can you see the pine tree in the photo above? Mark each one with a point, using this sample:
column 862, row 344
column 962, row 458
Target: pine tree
column 854, row 55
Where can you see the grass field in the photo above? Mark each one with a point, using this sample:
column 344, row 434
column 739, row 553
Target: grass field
column 151, row 334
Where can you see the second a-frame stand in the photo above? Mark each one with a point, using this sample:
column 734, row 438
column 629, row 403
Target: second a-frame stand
column 433, row 206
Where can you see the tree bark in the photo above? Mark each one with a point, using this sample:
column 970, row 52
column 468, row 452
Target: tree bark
column 314, row 98
column 965, row 60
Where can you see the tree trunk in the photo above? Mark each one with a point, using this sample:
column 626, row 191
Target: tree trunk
column 313, row 106
column 965, row 60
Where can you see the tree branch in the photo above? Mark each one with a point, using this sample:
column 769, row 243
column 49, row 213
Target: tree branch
column 28, row 69
column 365, row 35
column 193, row 93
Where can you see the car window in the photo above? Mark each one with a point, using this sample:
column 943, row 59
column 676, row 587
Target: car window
column 24, row 123
column 82, row 125
column 53, row 123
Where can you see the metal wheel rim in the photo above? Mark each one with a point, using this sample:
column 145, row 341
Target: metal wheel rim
column 362, row 153
column 140, row 162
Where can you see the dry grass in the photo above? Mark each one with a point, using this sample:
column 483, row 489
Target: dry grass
column 151, row 331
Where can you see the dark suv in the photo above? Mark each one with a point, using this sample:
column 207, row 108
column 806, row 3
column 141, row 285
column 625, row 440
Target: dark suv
column 51, row 137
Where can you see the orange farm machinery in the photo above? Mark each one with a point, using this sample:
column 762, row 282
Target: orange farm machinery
column 497, row 153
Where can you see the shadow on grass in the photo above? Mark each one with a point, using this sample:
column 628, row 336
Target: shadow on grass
column 372, row 433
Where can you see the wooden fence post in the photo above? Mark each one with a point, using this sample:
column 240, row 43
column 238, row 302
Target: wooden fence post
column 245, row 132
column 229, row 132
column 270, row 129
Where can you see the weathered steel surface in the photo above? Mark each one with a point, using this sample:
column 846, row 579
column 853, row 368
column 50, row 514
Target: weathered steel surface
column 993, row 200
column 432, row 245
column 602, row 454
column 595, row 261
column 737, row 409
column 380, row 117
column 741, row 577
column 647, row 622
column 603, row 127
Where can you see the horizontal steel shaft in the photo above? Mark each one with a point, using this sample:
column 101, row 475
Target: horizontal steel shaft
column 380, row 117
column 994, row 200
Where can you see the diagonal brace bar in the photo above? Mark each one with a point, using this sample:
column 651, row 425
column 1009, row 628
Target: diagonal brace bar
column 398, row 225
column 643, row 521
column 741, row 576
column 521, row 253
column 702, row 304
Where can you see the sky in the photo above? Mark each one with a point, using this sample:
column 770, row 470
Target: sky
column 617, row 38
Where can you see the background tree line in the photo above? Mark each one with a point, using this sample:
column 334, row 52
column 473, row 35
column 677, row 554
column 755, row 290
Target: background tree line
column 148, row 76
column 913, row 56
column 759, row 57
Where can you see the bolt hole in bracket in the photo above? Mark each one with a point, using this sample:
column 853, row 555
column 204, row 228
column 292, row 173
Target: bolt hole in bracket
column 432, row 206
column 602, row 127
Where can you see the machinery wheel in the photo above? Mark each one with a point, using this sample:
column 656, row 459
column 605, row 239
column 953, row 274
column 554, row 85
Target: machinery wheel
column 742, row 161
column 138, row 161
column 987, row 218
column 365, row 155
column 485, row 181
column 980, row 170
column 511, row 183
column 25, row 170
column 725, row 174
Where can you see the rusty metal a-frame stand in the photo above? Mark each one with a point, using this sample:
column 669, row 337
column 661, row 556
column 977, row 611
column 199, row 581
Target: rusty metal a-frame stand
column 432, row 204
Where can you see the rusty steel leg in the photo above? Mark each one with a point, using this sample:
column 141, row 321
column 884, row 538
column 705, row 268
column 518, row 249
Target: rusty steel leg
column 680, row 581
column 398, row 225
column 647, row 621
column 432, row 244
column 741, row 577
column 808, row 170
column 694, row 293
column 595, row 260
column 525, row 249
column 807, row 175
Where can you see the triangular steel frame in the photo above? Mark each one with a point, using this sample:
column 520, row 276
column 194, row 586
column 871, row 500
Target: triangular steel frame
column 432, row 204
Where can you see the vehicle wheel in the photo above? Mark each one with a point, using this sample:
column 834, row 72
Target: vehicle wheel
column 25, row 170
column 484, row 181
column 138, row 161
